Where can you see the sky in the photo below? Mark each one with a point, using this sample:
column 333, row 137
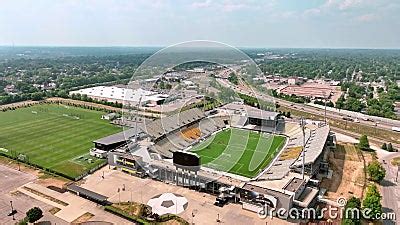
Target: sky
column 240, row 23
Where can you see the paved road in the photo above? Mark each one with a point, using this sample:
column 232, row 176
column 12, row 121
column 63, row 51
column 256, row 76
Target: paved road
column 390, row 188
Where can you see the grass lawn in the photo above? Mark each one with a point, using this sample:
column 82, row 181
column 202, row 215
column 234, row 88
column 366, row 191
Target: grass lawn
column 396, row 161
column 238, row 151
column 53, row 136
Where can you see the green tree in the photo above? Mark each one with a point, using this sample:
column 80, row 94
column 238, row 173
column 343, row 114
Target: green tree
column 384, row 147
column 376, row 171
column 233, row 78
column 364, row 143
column 349, row 218
column 34, row 214
column 340, row 102
column 390, row 147
column 372, row 202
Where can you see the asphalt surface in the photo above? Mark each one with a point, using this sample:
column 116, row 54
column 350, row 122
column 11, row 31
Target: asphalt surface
column 390, row 190
column 10, row 180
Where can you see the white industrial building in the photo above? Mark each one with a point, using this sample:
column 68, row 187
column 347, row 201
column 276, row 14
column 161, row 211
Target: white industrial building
column 122, row 95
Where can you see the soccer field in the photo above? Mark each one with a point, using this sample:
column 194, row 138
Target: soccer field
column 238, row 151
column 56, row 137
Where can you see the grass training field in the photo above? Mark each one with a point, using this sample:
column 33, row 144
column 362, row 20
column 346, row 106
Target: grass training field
column 238, row 151
column 56, row 137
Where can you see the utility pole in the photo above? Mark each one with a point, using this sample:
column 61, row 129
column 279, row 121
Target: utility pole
column 136, row 120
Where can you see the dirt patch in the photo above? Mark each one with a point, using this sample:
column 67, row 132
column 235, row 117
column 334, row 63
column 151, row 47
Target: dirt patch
column 171, row 222
column 54, row 210
column 48, row 180
column 132, row 208
column 84, row 218
column 18, row 104
column 348, row 176
column 18, row 166
column 17, row 193
column 396, row 161
column 82, row 103
column 38, row 193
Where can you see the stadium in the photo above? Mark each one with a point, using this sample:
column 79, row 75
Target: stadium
column 239, row 153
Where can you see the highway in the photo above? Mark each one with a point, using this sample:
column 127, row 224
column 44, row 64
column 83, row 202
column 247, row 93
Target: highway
column 390, row 189
column 372, row 121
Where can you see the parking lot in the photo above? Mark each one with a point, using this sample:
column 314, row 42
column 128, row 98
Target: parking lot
column 10, row 180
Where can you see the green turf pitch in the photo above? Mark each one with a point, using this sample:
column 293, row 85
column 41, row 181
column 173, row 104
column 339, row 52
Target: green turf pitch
column 238, row 151
column 54, row 136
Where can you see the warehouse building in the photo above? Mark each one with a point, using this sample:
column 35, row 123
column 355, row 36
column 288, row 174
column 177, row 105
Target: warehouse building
column 122, row 95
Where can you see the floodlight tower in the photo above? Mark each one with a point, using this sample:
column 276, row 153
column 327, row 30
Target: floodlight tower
column 302, row 124
column 136, row 120
column 326, row 98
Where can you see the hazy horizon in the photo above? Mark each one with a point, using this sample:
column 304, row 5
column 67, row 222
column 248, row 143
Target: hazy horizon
column 315, row 24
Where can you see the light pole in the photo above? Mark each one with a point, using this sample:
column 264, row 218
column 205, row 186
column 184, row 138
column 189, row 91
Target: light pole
column 119, row 196
column 12, row 210
column 326, row 98
column 193, row 215
column 176, row 205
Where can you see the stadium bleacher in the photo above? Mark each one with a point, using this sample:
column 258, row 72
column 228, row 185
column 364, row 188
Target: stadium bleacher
column 158, row 128
column 191, row 133
column 187, row 135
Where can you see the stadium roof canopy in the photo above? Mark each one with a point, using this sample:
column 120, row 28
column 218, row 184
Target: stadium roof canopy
column 252, row 112
column 165, row 125
column 118, row 137
column 261, row 114
column 314, row 145
column 87, row 194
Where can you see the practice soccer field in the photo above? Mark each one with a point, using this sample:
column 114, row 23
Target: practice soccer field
column 56, row 137
column 238, row 151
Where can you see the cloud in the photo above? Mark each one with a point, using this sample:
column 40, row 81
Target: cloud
column 229, row 7
column 233, row 5
column 200, row 5
column 367, row 17
column 347, row 4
